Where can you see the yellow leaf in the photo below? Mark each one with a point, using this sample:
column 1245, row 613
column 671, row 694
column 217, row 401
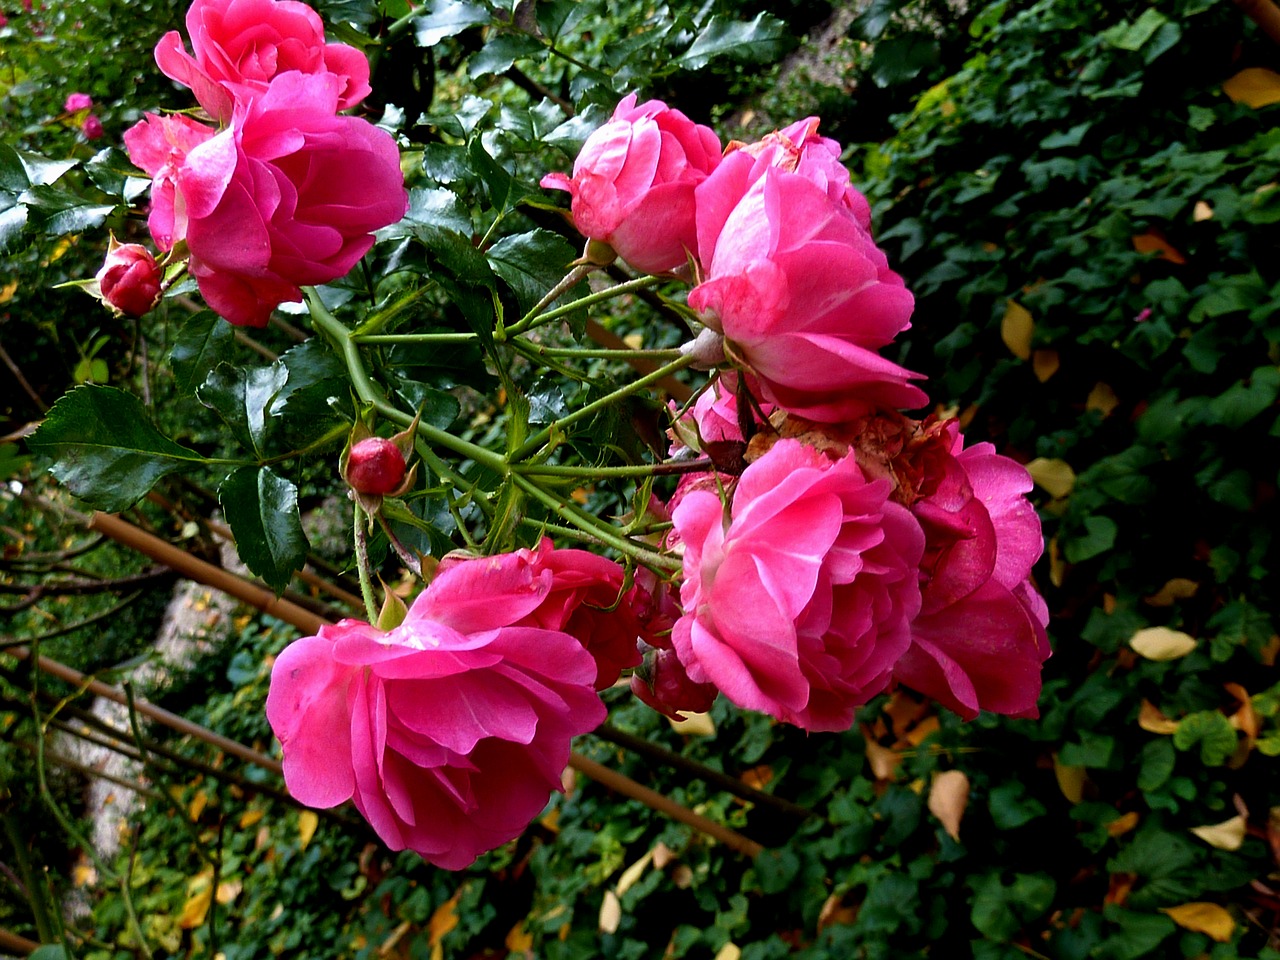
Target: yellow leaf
column 1207, row 918
column 1152, row 720
column 1179, row 588
column 634, row 340
column 1201, row 212
column 519, row 940
column 1045, row 364
column 610, row 912
column 1254, row 87
column 199, row 896
column 1227, row 835
column 198, row 803
column 1122, row 824
column 1017, row 329
column 695, row 725
column 1057, row 564
column 948, row 797
column 228, row 891
column 1054, row 476
column 250, row 817
column 730, row 951
column 633, row 873
column 1102, row 398
column 444, row 919
column 307, row 823
column 1070, row 780
column 8, row 290
column 1161, row 643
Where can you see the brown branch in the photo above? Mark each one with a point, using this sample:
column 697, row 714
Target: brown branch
column 16, row 945
column 22, row 381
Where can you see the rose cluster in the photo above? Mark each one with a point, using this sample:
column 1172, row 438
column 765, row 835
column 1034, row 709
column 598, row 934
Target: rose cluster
column 286, row 191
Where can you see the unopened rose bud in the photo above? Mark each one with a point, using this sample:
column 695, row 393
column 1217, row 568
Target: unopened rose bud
column 662, row 683
column 92, row 127
column 375, row 467
column 129, row 279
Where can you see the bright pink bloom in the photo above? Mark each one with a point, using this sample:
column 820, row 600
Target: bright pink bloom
column 159, row 145
column 800, row 602
column 77, row 101
column 4, row 21
column 980, row 640
column 92, row 127
column 287, row 196
column 129, row 279
column 241, row 45
column 584, row 598
column 633, row 183
column 802, row 294
column 450, row 731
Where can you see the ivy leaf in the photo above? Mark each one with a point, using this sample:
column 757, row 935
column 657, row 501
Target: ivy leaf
column 242, row 396
column 760, row 39
column 261, row 508
column 447, row 18
column 202, row 342
column 1099, row 536
column 1211, row 731
column 105, row 449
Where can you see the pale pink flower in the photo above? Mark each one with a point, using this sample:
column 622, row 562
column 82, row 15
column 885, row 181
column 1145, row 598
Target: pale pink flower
column 799, row 602
column 241, row 45
column 801, row 293
column 159, row 145
column 449, row 732
column 129, row 279
column 77, row 101
column 633, row 183
column 288, row 195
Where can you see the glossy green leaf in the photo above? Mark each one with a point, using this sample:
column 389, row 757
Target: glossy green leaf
column 242, row 396
column 261, row 508
column 204, row 340
column 532, row 263
column 759, row 39
column 447, row 18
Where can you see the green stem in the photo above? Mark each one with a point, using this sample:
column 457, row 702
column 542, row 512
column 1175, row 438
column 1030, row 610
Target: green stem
column 375, row 338
column 592, row 408
column 590, row 300
column 571, row 280
column 605, row 353
column 361, row 537
column 37, row 896
column 588, row 472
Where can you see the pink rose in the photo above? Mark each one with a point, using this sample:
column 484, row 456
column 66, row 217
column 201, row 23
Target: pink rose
column 287, row 196
column 77, row 101
column 450, row 731
column 713, row 422
column 92, row 127
column 241, row 45
column 633, row 183
column 584, row 598
column 662, row 683
column 799, row 603
column 979, row 641
column 129, row 279
column 159, row 145
column 801, row 293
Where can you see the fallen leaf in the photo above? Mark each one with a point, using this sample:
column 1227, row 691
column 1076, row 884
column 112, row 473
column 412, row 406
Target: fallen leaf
column 1102, row 398
column 610, row 912
column 1201, row 212
column 1254, row 87
column 1070, row 780
column 444, row 919
column 199, row 896
column 518, row 939
column 1153, row 242
column 229, row 890
column 1057, row 564
column 198, row 803
column 1045, row 363
column 836, row 911
column 757, row 778
column 1016, row 329
column 948, row 798
column 729, row 951
column 883, row 761
column 1210, row 919
column 1227, row 835
column 1122, row 824
column 1053, row 476
column 1179, row 588
column 694, row 725
column 662, row 855
column 307, row 823
column 1245, row 719
column 250, row 817
column 1152, row 720
column 917, row 734
column 633, row 873
column 1162, row 643
column 8, row 290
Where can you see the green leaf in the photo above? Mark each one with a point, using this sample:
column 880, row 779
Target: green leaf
column 447, row 18
column 242, row 396
column 532, row 263
column 114, row 174
column 1000, row 911
column 558, row 17
column 203, row 341
column 439, row 407
column 499, row 54
column 261, row 508
column 63, row 212
column 1138, row 935
column 1211, row 731
column 763, row 38
column 1011, row 807
column 1132, row 36
column 50, row 951
column 1157, row 762
column 902, row 59
column 1099, row 536
column 105, row 449
column 42, row 171
column 504, row 190
column 13, row 174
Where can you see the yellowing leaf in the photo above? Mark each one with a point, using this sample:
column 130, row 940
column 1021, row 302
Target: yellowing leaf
column 1152, row 720
column 199, row 896
column 1161, row 643
column 1122, row 824
column 610, row 912
column 1053, row 476
column 444, row 919
column 198, row 803
column 8, row 290
column 1254, row 87
column 1227, row 835
column 730, row 951
column 948, row 797
column 1102, row 398
column 307, row 823
column 518, row 939
column 250, row 817
column 1179, row 588
column 1045, row 364
column 1016, row 329
column 1201, row 212
column 695, row 725
column 1153, row 242
column 633, row 873
column 1057, row 564
column 1070, row 780
column 228, row 891
column 1207, row 918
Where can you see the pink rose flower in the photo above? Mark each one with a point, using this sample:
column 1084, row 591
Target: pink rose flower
column 633, row 183
column 801, row 293
column 159, row 145
column 241, row 45
column 92, row 127
column 287, row 196
column 77, row 101
column 661, row 682
column 449, row 732
column 583, row 598
column 800, row 602
column 979, row 642
column 129, row 279
column 713, row 421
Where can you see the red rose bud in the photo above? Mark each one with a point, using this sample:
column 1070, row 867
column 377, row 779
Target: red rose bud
column 375, row 467
column 92, row 127
column 129, row 279
column 662, row 683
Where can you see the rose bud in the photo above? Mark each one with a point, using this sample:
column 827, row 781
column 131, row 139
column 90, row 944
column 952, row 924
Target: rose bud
column 129, row 280
column 662, row 683
column 92, row 127
column 375, row 467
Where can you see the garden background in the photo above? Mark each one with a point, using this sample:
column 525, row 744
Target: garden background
column 1083, row 198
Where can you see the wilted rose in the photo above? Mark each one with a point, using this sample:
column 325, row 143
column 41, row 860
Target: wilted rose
column 633, row 183
column 241, row 45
